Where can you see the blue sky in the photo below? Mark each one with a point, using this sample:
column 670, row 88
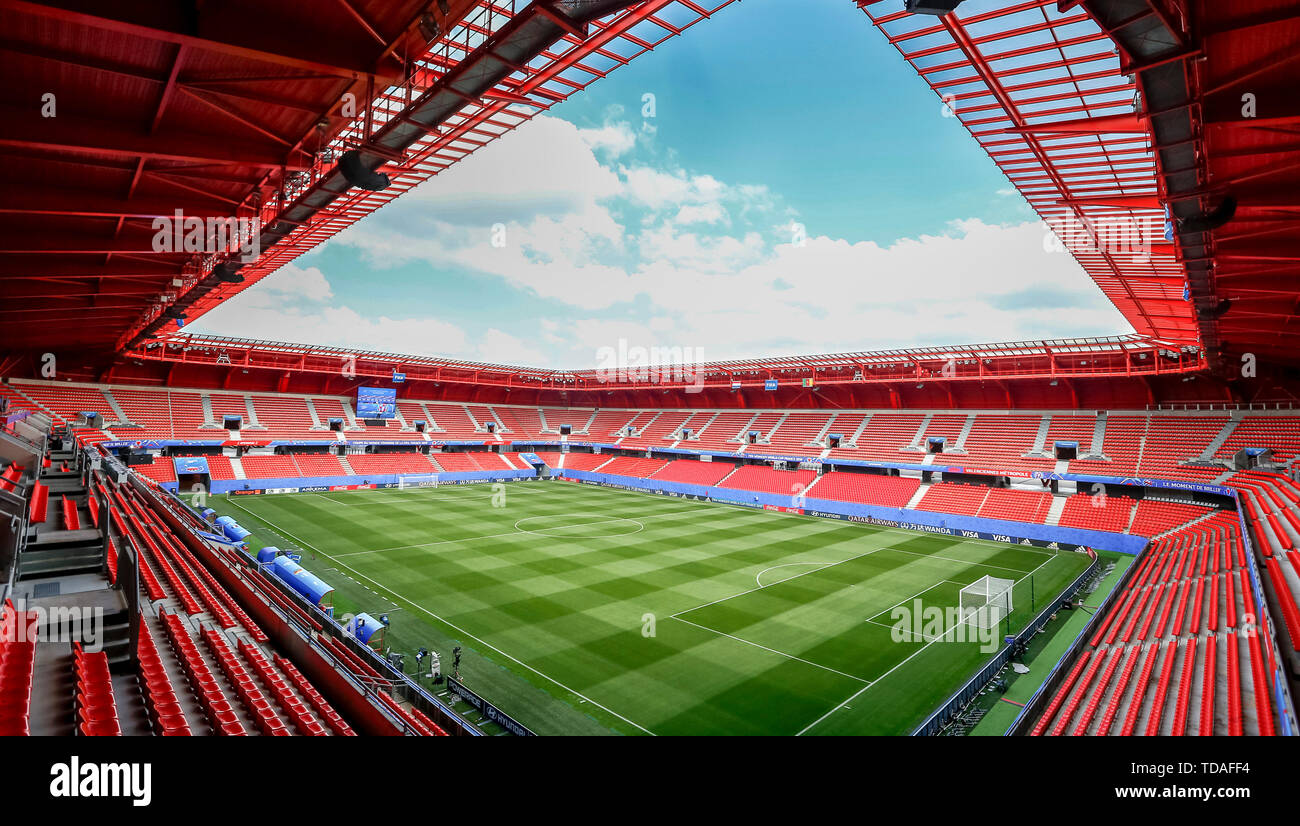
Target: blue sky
column 682, row 230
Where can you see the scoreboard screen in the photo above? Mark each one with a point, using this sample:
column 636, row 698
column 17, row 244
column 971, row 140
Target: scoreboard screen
column 376, row 402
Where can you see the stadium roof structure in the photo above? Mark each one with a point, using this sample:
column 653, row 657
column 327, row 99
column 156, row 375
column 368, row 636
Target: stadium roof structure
column 1124, row 123
column 1105, row 113
column 245, row 109
column 1116, row 371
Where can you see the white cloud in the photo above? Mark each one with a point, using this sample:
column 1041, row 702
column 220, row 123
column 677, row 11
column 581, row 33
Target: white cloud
column 708, row 266
column 498, row 347
column 615, row 138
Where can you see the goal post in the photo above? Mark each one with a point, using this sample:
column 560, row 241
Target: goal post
column 417, row 480
column 986, row 601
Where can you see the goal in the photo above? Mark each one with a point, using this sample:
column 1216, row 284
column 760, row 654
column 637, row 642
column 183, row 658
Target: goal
column 418, row 480
column 985, row 602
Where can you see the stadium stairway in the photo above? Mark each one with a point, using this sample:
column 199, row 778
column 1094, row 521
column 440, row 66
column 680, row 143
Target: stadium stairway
column 1055, row 510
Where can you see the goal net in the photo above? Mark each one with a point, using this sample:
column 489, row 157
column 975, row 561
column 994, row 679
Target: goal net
column 418, row 480
column 985, row 602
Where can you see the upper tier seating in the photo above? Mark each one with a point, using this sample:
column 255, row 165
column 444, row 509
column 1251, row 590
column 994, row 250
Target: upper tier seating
column 575, row 418
column 454, row 422
column 800, row 428
column 152, row 409
column 1066, row 427
column 283, row 417
column 1174, row 439
column 520, row 422
column 1136, row 444
column 224, row 404
column 1281, row 433
column 608, row 423
column 722, row 432
column 997, row 442
column 1123, row 444
column 186, row 413
column 885, row 437
column 66, row 401
column 330, row 408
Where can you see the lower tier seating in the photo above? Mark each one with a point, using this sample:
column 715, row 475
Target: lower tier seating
column 866, row 488
column 633, row 466
column 1097, row 512
column 1177, row 651
column 694, row 472
column 17, row 665
column 763, row 479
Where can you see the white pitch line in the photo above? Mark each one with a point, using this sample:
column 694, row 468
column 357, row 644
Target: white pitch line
column 758, row 577
column 451, row 625
column 770, row 584
column 850, row 559
column 771, row 650
column 905, row 661
column 907, row 630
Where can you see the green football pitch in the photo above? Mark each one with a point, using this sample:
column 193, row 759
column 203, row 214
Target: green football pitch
column 586, row 610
